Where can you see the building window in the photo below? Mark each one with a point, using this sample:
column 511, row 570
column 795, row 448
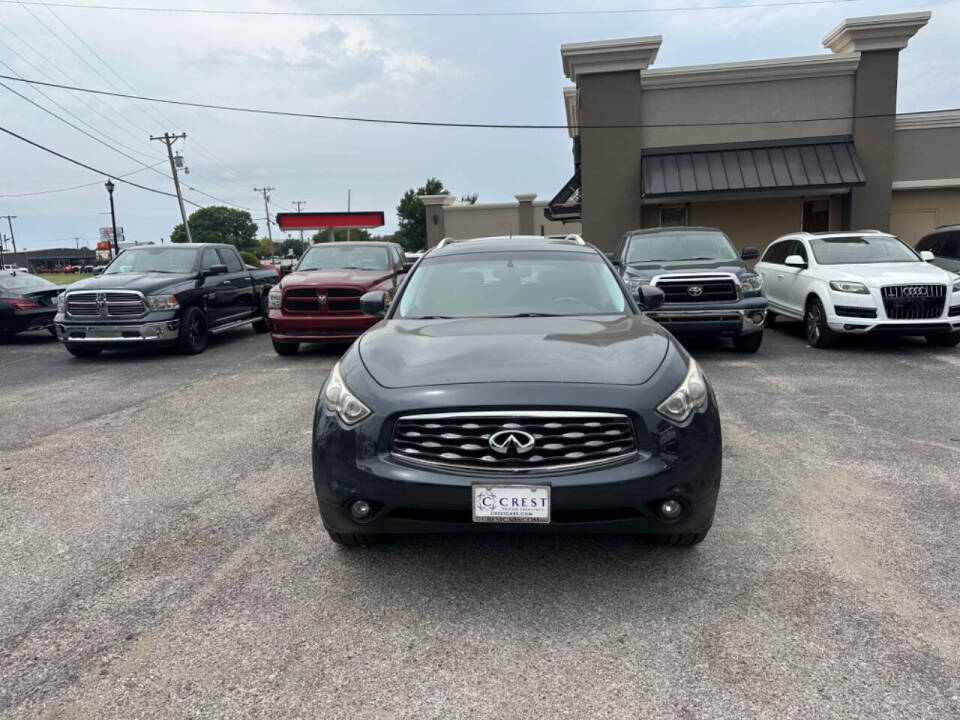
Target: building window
column 673, row 215
column 816, row 215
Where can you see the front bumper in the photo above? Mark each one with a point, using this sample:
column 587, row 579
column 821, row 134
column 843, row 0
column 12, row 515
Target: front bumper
column 744, row 317
column 681, row 463
column 26, row 320
column 320, row 327
column 154, row 328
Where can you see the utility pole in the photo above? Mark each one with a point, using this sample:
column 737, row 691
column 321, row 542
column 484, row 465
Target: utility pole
column 13, row 238
column 77, row 240
column 3, row 246
column 300, row 204
column 266, row 207
column 348, row 210
column 168, row 140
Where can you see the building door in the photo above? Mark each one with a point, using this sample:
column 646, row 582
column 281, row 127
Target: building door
column 816, row 215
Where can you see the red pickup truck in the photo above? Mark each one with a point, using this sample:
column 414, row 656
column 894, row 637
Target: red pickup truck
column 319, row 300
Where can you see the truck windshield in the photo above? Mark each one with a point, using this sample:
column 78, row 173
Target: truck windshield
column 344, row 257
column 863, row 249
column 512, row 284
column 679, row 245
column 153, row 259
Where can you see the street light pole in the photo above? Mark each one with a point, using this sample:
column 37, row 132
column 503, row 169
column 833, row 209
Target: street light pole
column 113, row 217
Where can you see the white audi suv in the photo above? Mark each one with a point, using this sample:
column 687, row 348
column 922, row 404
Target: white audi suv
column 857, row 282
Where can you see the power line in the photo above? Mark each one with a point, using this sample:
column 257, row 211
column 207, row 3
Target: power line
column 426, row 13
column 72, row 187
column 37, row 145
column 433, row 123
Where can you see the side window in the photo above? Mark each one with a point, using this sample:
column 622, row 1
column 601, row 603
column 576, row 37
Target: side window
column 230, row 258
column 210, row 258
column 398, row 258
column 930, row 242
column 776, row 253
column 950, row 247
column 797, row 248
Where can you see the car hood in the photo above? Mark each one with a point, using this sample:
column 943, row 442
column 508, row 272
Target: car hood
column 610, row 349
column 144, row 282
column 651, row 270
column 326, row 278
column 880, row 274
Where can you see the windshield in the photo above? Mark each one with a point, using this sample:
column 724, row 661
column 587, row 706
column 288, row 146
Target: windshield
column 345, row 257
column 24, row 282
column 865, row 249
column 153, row 259
column 512, row 284
column 680, row 245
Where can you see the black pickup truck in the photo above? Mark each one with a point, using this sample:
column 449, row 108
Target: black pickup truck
column 163, row 295
column 707, row 286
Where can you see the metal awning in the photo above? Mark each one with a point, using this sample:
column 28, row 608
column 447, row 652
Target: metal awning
column 565, row 205
column 823, row 163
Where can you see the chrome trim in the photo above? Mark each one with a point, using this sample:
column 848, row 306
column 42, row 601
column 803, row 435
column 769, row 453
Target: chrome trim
column 556, row 469
column 231, row 325
column 513, row 413
column 115, row 332
column 706, row 277
column 140, row 299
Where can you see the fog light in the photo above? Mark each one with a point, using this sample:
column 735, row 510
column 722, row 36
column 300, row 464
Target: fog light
column 670, row 509
column 757, row 318
column 360, row 509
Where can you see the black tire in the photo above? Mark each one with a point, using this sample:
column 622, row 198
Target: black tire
column 286, row 348
column 194, row 334
column 52, row 330
column 944, row 340
column 260, row 326
column 680, row 539
column 352, row 539
column 815, row 329
column 770, row 319
column 82, row 351
column 748, row 343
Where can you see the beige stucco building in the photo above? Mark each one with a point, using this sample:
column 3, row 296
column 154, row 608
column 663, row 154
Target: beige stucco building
column 756, row 148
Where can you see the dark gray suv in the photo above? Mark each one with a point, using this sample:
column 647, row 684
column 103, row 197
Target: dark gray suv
column 944, row 243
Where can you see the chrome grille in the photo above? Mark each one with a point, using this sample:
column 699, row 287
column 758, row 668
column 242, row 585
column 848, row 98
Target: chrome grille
column 113, row 303
column 914, row 302
column 561, row 440
column 697, row 289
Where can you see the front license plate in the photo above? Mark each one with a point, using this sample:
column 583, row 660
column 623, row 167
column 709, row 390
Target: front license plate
column 511, row 503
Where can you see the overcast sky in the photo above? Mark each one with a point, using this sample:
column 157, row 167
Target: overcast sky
column 448, row 69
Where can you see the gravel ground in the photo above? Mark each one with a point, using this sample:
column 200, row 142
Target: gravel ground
column 161, row 556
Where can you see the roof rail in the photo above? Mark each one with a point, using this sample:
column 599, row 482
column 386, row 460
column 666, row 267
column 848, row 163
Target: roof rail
column 446, row 241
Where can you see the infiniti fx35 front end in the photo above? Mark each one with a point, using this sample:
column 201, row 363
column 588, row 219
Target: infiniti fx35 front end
column 514, row 383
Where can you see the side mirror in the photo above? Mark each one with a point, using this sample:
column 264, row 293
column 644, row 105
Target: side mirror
column 406, row 267
column 374, row 303
column 214, row 270
column 795, row 261
column 649, row 297
column 749, row 253
column 613, row 259
column 98, row 271
column 286, row 269
column 927, row 256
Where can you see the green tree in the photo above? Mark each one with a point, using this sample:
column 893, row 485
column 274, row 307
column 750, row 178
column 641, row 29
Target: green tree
column 218, row 224
column 470, row 199
column 295, row 244
column 340, row 235
column 412, row 216
column 266, row 248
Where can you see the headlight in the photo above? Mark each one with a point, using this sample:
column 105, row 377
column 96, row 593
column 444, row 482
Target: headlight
column 691, row 395
column 634, row 283
column 956, row 285
column 275, row 297
column 751, row 282
column 338, row 398
column 849, row 287
column 62, row 302
column 162, row 302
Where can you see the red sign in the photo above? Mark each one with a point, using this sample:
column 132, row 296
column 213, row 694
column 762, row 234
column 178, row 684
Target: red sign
column 103, row 245
column 320, row 221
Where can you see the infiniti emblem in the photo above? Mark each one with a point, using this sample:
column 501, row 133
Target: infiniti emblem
column 694, row 291
column 521, row 442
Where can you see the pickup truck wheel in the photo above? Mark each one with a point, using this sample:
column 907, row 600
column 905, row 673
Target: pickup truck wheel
column 679, row 539
column 352, row 539
column 815, row 328
column 82, row 351
column 286, row 348
column 748, row 343
column 260, row 326
column 945, row 340
column 193, row 332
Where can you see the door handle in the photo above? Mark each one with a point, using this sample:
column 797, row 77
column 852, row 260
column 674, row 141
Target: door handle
column 779, row 277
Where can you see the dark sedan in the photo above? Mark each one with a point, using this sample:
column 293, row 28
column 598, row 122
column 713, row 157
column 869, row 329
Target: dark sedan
column 27, row 302
column 515, row 383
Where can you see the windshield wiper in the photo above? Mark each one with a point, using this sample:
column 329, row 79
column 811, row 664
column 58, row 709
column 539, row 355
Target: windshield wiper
column 529, row 314
column 430, row 317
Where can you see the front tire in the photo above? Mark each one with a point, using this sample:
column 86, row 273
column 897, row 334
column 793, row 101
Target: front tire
column 260, row 326
column 748, row 343
column 193, row 336
column 286, row 348
column 82, row 351
column 945, row 340
column 815, row 328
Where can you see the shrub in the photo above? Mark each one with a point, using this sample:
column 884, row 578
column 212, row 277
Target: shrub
column 249, row 258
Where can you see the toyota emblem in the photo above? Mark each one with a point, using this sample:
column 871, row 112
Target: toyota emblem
column 694, row 291
column 517, row 440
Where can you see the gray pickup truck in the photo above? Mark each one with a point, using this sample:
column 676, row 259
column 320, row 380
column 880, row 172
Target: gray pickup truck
column 157, row 295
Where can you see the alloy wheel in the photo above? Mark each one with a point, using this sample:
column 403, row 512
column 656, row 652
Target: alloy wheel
column 812, row 324
column 196, row 330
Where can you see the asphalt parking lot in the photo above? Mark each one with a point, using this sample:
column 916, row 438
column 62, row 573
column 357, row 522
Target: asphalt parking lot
column 161, row 556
